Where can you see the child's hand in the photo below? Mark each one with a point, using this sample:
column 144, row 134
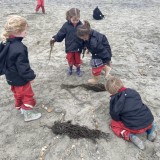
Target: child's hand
column 52, row 41
column 87, row 51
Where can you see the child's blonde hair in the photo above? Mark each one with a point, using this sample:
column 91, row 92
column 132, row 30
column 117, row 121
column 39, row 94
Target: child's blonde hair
column 113, row 84
column 15, row 24
column 71, row 13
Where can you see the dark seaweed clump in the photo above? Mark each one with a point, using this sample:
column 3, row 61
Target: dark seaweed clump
column 76, row 131
column 96, row 88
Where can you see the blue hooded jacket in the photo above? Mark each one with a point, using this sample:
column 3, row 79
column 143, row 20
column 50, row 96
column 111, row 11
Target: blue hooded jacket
column 127, row 106
column 98, row 46
column 18, row 71
column 68, row 32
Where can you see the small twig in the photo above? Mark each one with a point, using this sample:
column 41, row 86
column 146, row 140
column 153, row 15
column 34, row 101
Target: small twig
column 50, row 52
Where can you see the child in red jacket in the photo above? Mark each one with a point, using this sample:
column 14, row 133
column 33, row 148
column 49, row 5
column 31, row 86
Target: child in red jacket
column 130, row 116
column 40, row 4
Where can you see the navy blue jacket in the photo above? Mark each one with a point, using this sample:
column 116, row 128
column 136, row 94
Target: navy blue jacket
column 18, row 70
column 127, row 106
column 98, row 46
column 72, row 42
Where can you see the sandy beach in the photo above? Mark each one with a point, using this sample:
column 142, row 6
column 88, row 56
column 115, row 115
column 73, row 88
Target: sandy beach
column 133, row 31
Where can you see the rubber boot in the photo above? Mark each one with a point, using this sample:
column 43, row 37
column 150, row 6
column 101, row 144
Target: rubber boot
column 137, row 141
column 151, row 133
column 78, row 71
column 29, row 115
column 94, row 80
column 69, row 71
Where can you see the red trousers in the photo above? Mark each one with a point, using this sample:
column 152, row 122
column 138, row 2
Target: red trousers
column 74, row 58
column 97, row 71
column 40, row 4
column 23, row 96
column 121, row 131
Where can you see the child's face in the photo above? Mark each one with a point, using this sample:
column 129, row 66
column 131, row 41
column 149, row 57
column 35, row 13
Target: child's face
column 85, row 38
column 75, row 20
column 23, row 33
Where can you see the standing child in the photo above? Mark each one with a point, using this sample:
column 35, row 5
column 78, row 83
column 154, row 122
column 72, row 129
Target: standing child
column 99, row 47
column 40, row 4
column 73, row 44
column 18, row 71
column 129, row 115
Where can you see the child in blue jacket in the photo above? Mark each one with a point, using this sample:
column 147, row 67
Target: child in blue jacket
column 73, row 44
column 97, row 44
column 18, row 72
column 130, row 116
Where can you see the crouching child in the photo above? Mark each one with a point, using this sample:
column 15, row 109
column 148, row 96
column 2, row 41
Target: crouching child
column 130, row 116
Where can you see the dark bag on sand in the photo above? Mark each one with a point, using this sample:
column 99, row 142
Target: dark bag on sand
column 97, row 14
column 3, row 55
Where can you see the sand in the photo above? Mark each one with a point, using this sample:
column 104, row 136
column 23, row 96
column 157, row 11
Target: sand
column 133, row 30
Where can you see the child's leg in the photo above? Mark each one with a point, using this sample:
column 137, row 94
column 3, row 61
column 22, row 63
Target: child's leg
column 28, row 104
column 28, row 97
column 151, row 133
column 42, row 6
column 129, row 135
column 38, row 5
column 43, row 10
column 25, row 101
column 96, row 75
column 107, row 70
column 119, row 129
column 77, row 63
column 17, row 97
column 42, row 3
column 70, row 59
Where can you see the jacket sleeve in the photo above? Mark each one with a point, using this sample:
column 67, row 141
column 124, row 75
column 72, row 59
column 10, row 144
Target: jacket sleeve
column 107, row 46
column 116, row 106
column 61, row 34
column 24, row 68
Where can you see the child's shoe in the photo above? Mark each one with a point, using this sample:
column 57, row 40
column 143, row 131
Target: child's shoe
column 138, row 142
column 94, row 80
column 69, row 71
column 151, row 133
column 29, row 115
column 79, row 72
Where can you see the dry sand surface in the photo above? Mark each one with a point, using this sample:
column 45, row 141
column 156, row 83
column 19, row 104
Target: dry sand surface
column 133, row 31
